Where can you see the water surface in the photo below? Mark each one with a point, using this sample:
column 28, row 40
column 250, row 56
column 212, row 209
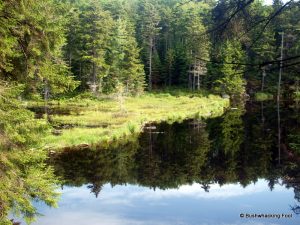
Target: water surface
column 196, row 172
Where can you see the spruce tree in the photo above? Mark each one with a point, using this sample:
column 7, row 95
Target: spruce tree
column 149, row 30
column 231, row 71
column 96, row 29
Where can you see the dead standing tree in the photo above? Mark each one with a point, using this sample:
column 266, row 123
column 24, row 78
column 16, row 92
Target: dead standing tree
column 196, row 70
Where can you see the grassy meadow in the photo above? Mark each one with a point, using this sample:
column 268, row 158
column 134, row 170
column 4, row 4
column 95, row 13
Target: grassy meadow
column 86, row 121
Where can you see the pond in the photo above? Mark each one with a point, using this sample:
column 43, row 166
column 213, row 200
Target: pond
column 241, row 168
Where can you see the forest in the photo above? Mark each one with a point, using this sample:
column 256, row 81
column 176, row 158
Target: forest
column 58, row 49
column 90, row 73
column 53, row 47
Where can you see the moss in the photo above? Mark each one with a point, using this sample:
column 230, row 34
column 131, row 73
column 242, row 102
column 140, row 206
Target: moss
column 103, row 120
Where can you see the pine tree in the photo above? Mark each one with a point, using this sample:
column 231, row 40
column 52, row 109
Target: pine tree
column 231, row 81
column 133, row 75
column 149, row 28
column 96, row 29
column 35, row 36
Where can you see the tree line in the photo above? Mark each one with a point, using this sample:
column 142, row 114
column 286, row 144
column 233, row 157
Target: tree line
column 56, row 46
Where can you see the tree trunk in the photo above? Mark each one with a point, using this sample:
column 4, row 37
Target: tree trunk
column 279, row 132
column 80, row 69
column 94, row 68
column 46, row 97
column 150, row 63
column 263, row 80
column 170, row 75
column 94, row 73
column 70, row 60
column 280, row 70
column 46, row 91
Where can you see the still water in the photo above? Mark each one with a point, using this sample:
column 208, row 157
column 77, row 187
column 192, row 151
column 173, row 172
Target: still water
column 241, row 168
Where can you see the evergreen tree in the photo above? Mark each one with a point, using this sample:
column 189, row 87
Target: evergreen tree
column 231, row 71
column 35, row 36
column 125, row 65
column 149, row 30
column 96, row 30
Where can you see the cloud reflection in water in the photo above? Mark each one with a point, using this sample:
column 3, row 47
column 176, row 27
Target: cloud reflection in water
column 189, row 204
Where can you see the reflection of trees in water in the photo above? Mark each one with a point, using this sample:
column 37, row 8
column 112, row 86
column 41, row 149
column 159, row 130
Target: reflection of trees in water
column 291, row 179
column 236, row 148
column 177, row 155
column 96, row 187
column 170, row 163
column 296, row 209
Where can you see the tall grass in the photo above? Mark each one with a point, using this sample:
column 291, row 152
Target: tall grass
column 101, row 120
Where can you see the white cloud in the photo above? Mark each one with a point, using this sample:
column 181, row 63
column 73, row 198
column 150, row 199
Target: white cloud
column 120, row 205
column 68, row 218
column 195, row 191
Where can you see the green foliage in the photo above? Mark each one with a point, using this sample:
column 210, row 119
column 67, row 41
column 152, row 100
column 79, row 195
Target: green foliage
column 103, row 51
column 25, row 178
column 231, row 79
column 45, row 45
column 132, row 162
column 148, row 23
column 232, row 131
column 125, row 65
column 100, row 120
column 262, row 96
column 195, row 151
column 296, row 95
column 18, row 126
column 108, row 45
column 293, row 139
column 34, row 33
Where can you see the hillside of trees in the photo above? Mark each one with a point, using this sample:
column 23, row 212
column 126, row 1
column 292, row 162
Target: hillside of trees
column 52, row 47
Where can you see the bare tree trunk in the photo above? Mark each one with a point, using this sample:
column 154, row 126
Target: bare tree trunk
column 262, row 114
column 194, row 82
column 280, row 70
column 80, row 68
column 94, row 69
column 150, row 63
column 278, row 102
column 279, row 132
column 70, row 59
column 46, row 97
column 190, row 77
column 263, row 80
column 100, row 84
column 170, row 75
column 46, row 91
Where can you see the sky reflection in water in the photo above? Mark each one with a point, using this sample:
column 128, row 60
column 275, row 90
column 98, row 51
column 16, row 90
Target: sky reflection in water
column 189, row 204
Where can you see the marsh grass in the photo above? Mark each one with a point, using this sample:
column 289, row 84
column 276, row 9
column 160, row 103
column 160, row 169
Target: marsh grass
column 102, row 121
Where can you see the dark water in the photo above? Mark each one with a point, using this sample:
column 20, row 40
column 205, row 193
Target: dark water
column 218, row 171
